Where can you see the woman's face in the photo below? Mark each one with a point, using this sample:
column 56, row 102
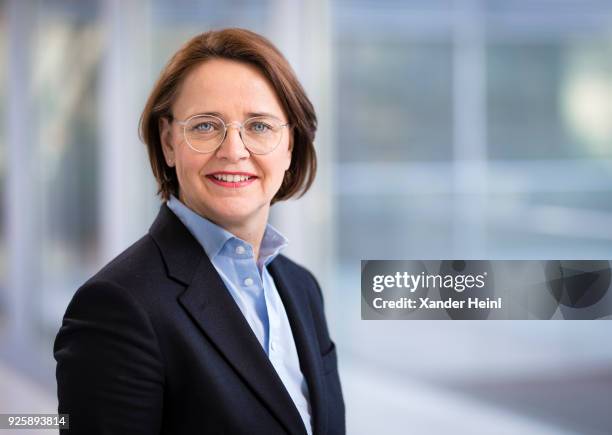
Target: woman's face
column 234, row 91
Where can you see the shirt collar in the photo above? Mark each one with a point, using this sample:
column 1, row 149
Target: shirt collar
column 213, row 238
column 271, row 244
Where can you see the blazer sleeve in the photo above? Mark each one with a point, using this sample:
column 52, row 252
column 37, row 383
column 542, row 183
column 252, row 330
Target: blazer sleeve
column 109, row 370
column 329, row 358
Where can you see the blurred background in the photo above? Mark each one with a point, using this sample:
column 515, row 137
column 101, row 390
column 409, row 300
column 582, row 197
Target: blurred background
column 476, row 129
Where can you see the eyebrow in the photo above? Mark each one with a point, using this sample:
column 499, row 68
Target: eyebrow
column 249, row 115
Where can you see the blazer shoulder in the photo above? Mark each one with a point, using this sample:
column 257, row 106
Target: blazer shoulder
column 139, row 267
column 296, row 270
column 302, row 275
column 290, row 266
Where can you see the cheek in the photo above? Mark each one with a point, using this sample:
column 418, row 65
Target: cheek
column 278, row 170
column 189, row 167
column 284, row 161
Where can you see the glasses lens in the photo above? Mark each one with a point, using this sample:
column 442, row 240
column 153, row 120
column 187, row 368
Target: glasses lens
column 262, row 134
column 204, row 133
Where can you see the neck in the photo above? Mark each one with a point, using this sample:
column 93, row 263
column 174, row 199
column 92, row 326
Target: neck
column 251, row 231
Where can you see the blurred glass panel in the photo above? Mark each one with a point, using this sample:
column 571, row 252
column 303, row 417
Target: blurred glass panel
column 394, row 99
column 394, row 227
column 545, row 191
column 3, row 158
column 550, row 99
column 550, row 225
column 66, row 55
column 173, row 23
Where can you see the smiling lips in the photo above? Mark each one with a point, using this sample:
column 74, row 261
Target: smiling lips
column 232, row 179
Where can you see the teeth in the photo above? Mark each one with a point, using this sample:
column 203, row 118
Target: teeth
column 231, row 178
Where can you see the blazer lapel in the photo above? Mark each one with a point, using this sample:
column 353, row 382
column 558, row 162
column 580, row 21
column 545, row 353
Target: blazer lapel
column 295, row 299
column 212, row 308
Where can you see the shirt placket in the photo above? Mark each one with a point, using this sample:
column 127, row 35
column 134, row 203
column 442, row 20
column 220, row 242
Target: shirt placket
column 274, row 350
column 252, row 287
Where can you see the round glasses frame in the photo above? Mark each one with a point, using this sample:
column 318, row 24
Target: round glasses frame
column 226, row 127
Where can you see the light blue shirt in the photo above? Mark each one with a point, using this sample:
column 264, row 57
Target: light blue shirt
column 255, row 293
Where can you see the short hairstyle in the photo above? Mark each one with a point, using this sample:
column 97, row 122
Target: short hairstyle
column 246, row 46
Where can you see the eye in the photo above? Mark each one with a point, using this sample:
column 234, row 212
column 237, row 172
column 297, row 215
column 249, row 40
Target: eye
column 204, row 127
column 259, row 127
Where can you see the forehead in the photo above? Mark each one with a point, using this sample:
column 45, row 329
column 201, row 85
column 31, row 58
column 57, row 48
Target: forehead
column 230, row 87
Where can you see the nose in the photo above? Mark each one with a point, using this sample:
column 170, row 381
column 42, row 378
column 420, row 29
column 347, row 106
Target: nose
column 232, row 148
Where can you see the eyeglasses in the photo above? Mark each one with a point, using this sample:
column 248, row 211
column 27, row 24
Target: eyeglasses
column 205, row 133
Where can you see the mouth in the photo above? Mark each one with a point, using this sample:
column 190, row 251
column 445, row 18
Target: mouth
column 231, row 179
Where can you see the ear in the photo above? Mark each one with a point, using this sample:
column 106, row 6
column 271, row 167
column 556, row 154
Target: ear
column 291, row 138
column 165, row 136
column 290, row 150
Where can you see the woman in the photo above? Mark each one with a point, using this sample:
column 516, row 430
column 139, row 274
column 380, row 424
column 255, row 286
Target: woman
column 202, row 326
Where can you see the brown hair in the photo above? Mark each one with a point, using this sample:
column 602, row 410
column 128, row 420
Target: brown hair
column 242, row 45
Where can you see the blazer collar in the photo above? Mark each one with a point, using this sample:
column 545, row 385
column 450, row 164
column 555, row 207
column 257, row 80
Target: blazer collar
column 294, row 294
column 180, row 250
column 212, row 308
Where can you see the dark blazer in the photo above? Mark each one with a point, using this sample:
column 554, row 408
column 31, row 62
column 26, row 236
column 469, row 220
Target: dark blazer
column 155, row 344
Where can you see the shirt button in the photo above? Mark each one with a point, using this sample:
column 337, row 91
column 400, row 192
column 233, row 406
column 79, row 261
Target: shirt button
column 240, row 249
column 273, row 345
column 248, row 282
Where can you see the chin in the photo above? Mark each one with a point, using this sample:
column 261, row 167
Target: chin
column 235, row 211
